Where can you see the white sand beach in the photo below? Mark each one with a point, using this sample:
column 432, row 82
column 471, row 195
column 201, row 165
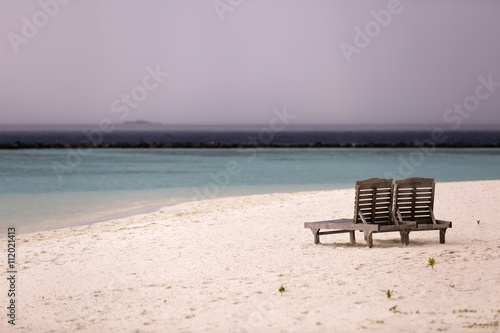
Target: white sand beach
column 218, row 265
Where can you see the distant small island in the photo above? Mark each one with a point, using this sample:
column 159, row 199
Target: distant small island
column 142, row 122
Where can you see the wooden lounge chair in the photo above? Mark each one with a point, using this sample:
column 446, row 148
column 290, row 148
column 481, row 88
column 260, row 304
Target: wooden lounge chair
column 414, row 201
column 372, row 213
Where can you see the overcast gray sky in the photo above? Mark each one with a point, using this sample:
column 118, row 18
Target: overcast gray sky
column 233, row 61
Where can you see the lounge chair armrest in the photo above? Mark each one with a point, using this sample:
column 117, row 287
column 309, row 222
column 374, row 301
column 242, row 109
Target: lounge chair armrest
column 362, row 217
column 398, row 212
column 394, row 220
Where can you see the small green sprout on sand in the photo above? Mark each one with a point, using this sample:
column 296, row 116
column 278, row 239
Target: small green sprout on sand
column 432, row 261
column 478, row 221
column 389, row 293
column 282, row 289
column 393, row 309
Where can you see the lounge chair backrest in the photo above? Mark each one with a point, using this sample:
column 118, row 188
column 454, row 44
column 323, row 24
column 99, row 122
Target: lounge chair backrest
column 414, row 199
column 373, row 200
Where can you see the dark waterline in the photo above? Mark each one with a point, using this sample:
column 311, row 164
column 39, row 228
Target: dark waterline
column 154, row 138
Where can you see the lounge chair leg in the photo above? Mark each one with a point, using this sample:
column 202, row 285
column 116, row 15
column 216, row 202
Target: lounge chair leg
column 352, row 237
column 407, row 238
column 403, row 236
column 316, row 235
column 369, row 238
column 442, row 233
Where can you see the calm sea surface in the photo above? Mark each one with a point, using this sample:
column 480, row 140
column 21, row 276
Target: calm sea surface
column 44, row 189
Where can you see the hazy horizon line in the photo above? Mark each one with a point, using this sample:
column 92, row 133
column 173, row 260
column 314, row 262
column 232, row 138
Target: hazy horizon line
column 146, row 125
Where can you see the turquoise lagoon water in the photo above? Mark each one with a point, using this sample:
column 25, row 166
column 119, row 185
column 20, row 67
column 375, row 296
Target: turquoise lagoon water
column 45, row 189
